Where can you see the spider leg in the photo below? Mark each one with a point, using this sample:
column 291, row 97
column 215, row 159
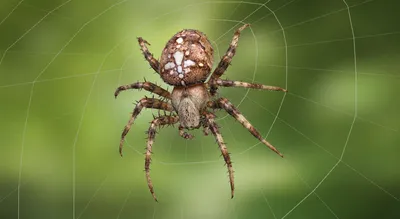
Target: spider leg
column 147, row 54
column 184, row 134
column 153, row 88
column 206, row 130
column 233, row 111
column 229, row 83
column 226, row 59
column 147, row 103
column 222, row 146
column 159, row 121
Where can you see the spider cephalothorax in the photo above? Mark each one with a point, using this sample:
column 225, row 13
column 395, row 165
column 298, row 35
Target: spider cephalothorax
column 186, row 63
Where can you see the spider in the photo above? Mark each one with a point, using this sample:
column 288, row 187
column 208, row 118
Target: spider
column 186, row 63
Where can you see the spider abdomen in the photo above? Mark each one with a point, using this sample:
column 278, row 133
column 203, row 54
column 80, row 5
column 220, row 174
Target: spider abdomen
column 187, row 59
column 188, row 102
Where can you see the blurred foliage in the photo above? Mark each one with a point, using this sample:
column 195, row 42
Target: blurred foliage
column 338, row 127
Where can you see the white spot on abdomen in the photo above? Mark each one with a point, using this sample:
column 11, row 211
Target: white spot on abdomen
column 188, row 63
column 169, row 65
column 179, row 40
column 178, row 56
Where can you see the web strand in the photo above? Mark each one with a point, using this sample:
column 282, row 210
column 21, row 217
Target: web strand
column 124, row 204
column 11, row 12
column 327, row 151
column 352, row 124
column 30, row 29
column 269, row 206
column 244, row 96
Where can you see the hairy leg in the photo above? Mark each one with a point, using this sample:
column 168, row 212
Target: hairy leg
column 147, row 55
column 206, row 130
column 226, row 59
column 153, row 88
column 229, row 83
column 214, row 129
column 233, row 111
column 160, row 121
column 147, row 103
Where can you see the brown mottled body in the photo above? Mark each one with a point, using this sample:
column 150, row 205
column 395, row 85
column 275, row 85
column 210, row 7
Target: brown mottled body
column 186, row 63
column 191, row 47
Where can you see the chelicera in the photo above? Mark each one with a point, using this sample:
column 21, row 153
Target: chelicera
column 186, row 63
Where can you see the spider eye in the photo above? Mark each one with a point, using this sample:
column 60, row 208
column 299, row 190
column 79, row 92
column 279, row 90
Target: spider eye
column 186, row 59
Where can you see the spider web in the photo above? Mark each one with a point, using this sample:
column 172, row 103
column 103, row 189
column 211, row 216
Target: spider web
column 338, row 126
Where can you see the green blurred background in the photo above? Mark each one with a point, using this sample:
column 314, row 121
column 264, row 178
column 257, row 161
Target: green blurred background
column 338, row 127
